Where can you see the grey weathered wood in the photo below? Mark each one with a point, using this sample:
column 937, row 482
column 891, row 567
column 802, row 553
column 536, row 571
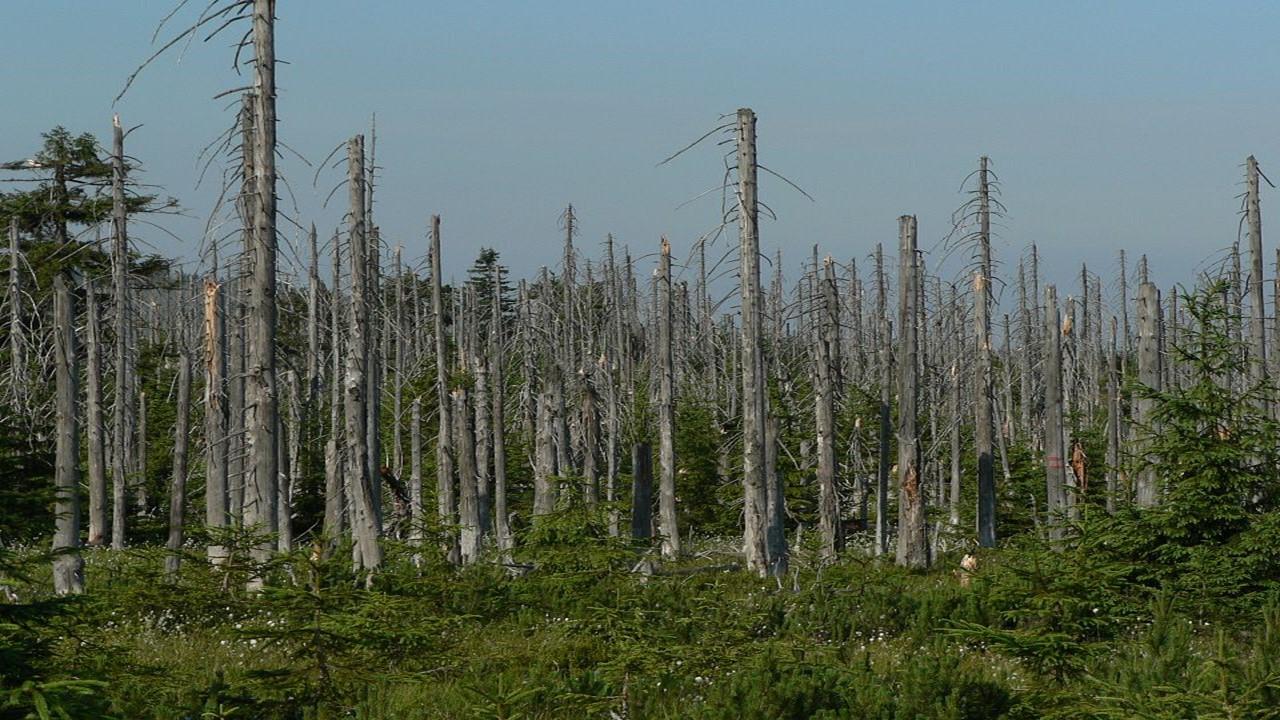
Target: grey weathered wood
column 261, row 414
column 68, row 566
column 982, row 391
column 364, row 527
column 215, row 416
column 913, row 547
column 1145, row 490
column 446, row 499
column 883, row 335
column 498, row 418
column 313, row 318
column 122, row 414
column 827, row 383
column 667, row 528
column 468, row 501
column 17, row 356
column 98, row 526
column 544, row 462
column 335, row 478
column 178, row 482
column 1113, row 419
column 1257, row 305
column 1054, row 420
column 416, row 516
column 756, row 520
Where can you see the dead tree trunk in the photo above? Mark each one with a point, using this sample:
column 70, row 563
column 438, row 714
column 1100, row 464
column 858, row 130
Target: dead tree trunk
column 1054, row 420
column 667, row 529
column 178, row 485
column 93, row 407
column 502, row 527
column 68, row 566
column 17, row 358
column 913, row 545
column 544, row 463
column 827, row 389
column 215, row 417
column 367, row 552
column 1258, row 312
column 755, row 498
column 261, row 416
column 982, row 310
column 882, row 340
column 334, row 476
column 122, row 414
column 1145, row 492
column 445, row 498
column 1113, row 420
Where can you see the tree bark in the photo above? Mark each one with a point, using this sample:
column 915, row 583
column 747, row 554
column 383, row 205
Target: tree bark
column 93, row 406
column 215, row 417
column 1145, row 490
column 827, row 383
column 178, row 485
column 667, row 528
column 445, row 499
column 982, row 309
column 913, row 546
column 1054, row 420
column 68, row 566
column 122, row 413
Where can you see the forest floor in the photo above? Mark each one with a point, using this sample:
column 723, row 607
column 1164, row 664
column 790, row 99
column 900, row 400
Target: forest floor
column 1033, row 633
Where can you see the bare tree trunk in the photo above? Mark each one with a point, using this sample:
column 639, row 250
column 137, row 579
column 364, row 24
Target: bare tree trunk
column 1113, row 420
column 178, row 486
column 364, row 527
column 1258, row 316
column 313, row 319
column 468, row 502
column 122, row 415
column 913, row 546
column 755, row 497
column 667, row 529
column 215, row 417
column 827, row 389
column 261, row 416
column 289, row 445
column 1148, row 375
column 544, row 464
column 982, row 309
column 446, row 500
column 68, row 566
column 17, row 358
column 416, row 516
column 498, row 418
column 1054, row 421
column 93, row 406
column 334, row 477
column 140, row 482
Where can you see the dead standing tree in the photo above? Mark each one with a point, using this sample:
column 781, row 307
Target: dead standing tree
column 68, row 566
column 913, row 545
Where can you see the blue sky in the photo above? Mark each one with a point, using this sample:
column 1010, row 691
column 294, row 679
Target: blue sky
column 1118, row 124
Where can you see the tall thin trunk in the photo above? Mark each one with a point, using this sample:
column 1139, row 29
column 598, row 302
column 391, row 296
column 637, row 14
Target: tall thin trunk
column 755, row 498
column 983, row 421
column 17, row 358
column 215, row 417
column 827, row 389
column 498, row 418
column 334, row 476
column 544, row 462
column 93, row 407
column 178, row 485
column 122, row 415
column 666, row 412
column 313, row 318
column 1258, row 311
column 364, row 529
column 445, row 499
column 1054, row 420
column 1145, row 490
column 261, row 415
column 1113, row 420
column 913, row 546
column 68, row 566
